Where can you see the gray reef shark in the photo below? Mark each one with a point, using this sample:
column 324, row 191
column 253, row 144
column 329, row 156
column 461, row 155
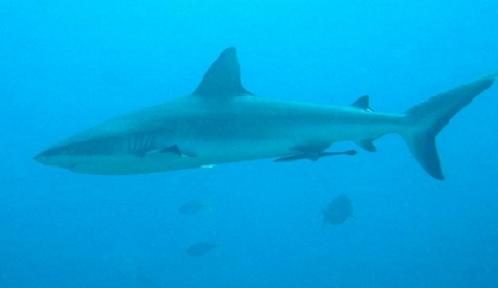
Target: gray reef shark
column 223, row 122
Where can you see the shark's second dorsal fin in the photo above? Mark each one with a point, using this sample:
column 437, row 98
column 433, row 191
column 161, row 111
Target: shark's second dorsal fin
column 222, row 80
column 362, row 103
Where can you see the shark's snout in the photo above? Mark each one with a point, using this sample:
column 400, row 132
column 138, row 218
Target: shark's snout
column 45, row 157
column 55, row 156
column 39, row 157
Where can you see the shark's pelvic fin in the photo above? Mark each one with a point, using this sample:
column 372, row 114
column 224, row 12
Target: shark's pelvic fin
column 367, row 145
column 222, row 80
column 426, row 120
column 362, row 103
column 174, row 149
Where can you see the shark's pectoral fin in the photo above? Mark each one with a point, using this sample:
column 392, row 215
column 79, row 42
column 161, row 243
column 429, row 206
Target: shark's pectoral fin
column 177, row 151
column 170, row 149
column 367, row 145
column 173, row 149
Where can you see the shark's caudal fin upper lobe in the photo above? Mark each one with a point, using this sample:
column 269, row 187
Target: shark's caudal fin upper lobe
column 426, row 120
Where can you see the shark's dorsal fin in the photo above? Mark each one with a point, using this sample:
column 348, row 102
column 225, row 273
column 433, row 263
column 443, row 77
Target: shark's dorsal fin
column 362, row 103
column 222, row 80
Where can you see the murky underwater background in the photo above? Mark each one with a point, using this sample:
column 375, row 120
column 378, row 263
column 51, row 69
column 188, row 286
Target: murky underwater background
column 67, row 65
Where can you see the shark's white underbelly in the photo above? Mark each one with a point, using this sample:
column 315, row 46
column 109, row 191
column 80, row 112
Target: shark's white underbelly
column 206, row 155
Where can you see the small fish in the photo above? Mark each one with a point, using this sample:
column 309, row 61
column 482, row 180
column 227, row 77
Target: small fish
column 338, row 210
column 193, row 207
column 200, row 249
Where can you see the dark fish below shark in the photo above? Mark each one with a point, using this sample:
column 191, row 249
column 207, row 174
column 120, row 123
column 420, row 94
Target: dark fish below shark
column 223, row 122
column 200, row 249
column 193, row 207
column 338, row 210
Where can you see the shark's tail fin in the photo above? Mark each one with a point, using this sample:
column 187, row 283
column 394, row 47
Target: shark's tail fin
column 426, row 120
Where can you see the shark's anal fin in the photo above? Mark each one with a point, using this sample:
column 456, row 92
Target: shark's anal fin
column 363, row 103
column 222, row 80
column 367, row 145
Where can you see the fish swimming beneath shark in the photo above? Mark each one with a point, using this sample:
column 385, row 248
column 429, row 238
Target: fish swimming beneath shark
column 223, row 122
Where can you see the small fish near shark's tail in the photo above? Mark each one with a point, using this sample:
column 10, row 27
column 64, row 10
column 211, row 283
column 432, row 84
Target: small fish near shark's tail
column 426, row 120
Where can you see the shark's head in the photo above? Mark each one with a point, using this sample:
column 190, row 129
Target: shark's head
column 112, row 155
column 67, row 156
column 88, row 157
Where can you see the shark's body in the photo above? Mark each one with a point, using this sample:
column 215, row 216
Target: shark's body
column 222, row 122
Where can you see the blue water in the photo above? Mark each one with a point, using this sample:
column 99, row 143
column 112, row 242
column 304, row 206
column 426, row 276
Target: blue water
column 67, row 65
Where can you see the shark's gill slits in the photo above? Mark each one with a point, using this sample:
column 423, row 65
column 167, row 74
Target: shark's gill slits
column 140, row 144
